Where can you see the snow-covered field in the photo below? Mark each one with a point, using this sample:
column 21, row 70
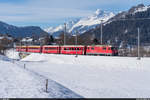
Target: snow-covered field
column 11, row 53
column 17, row 82
column 95, row 76
column 84, row 76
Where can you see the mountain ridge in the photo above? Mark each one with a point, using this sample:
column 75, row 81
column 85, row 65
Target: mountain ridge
column 122, row 28
column 25, row 31
column 83, row 24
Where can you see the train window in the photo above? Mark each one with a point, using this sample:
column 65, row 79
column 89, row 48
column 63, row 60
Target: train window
column 72, row 48
column 53, row 48
column 50, row 48
column 46, row 48
column 108, row 48
column 104, row 48
column 113, row 48
column 33, row 48
column 92, row 48
column 65, row 49
column 78, row 49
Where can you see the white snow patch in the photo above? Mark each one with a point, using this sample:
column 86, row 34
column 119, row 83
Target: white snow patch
column 142, row 9
column 11, row 53
column 83, row 24
column 95, row 76
column 17, row 82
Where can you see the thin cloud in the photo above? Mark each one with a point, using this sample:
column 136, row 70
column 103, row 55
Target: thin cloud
column 43, row 11
column 37, row 12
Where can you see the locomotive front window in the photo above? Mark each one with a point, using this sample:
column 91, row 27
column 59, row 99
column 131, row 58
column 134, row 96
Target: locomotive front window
column 113, row 48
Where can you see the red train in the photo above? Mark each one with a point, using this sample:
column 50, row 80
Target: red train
column 71, row 49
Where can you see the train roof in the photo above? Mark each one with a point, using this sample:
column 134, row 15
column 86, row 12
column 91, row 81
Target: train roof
column 71, row 45
column 20, row 46
column 50, row 45
column 63, row 45
column 28, row 46
column 102, row 45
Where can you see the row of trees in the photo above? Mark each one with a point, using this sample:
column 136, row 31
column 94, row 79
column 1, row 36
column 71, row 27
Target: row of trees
column 71, row 40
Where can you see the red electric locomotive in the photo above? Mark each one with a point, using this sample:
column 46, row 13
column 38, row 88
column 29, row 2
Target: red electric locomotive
column 106, row 50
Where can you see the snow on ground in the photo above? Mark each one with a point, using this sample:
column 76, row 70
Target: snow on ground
column 16, row 82
column 11, row 53
column 95, row 76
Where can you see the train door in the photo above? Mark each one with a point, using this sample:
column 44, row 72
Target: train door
column 85, row 48
column 41, row 47
column 59, row 49
column 26, row 48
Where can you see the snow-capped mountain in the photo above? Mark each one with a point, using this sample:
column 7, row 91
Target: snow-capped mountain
column 83, row 24
column 141, row 8
column 55, row 31
column 138, row 8
column 125, row 31
column 90, row 22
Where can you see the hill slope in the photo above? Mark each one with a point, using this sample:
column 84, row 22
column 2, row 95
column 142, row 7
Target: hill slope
column 82, row 24
column 20, row 31
column 117, row 30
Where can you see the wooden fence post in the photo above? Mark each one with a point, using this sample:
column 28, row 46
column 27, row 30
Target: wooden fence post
column 24, row 66
column 46, row 85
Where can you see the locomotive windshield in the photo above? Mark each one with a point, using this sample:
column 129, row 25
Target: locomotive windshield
column 113, row 48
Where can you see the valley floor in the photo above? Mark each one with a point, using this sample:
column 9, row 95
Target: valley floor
column 95, row 76
column 84, row 76
column 16, row 82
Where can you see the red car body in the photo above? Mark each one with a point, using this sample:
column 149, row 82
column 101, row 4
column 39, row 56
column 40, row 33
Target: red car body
column 72, row 49
column 21, row 48
column 51, row 49
column 34, row 49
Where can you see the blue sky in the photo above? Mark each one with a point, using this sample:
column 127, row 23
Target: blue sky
column 45, row 13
